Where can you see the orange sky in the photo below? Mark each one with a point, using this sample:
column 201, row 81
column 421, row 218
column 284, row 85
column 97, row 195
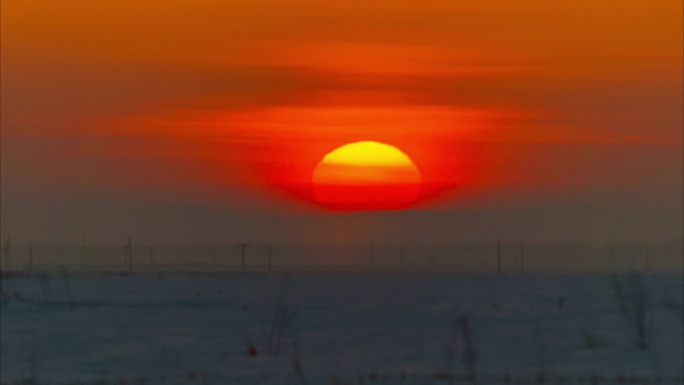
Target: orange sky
column 231, row 103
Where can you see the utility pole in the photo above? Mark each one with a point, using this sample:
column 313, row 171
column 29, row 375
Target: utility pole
column 612, row 263
column 30, row 261
column 8, row 253
column 243, row 247
column 401, row 256
column 84, row 253
column 187, row 260
column 130, row 255
column 372, row 252
column 498, row 256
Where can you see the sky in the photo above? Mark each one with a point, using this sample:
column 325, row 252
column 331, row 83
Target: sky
column 202, row 122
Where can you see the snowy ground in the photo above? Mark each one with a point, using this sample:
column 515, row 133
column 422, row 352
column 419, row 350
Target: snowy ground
column 336, row 329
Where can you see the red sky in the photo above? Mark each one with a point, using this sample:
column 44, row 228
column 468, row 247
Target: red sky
column 527, row 107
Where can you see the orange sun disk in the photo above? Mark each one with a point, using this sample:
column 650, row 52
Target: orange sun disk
column 366, row 176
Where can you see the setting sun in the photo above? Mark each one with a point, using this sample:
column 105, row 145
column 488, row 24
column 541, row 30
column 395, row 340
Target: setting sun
column 366, row 176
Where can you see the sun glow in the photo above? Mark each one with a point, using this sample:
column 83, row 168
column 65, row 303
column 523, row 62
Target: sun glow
column 366, row 176
column 304, row 155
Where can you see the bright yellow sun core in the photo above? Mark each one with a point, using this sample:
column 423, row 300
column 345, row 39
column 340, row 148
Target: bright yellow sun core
column 368, row 154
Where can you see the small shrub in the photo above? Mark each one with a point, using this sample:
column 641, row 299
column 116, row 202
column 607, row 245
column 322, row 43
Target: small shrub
column 541, row 377
column 595, row 379
column 278, row 323
column 297, row 366
column 589, row 338
column 673, row 306
column 631, row 295
column 469, row 350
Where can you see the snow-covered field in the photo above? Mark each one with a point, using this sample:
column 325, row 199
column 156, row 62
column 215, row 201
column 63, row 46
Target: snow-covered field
column 338, row 328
